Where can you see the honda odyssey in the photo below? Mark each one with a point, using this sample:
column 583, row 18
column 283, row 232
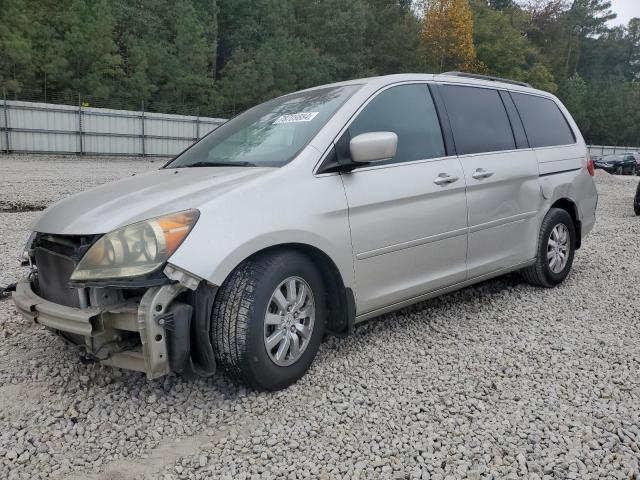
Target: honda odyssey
column 308, row 214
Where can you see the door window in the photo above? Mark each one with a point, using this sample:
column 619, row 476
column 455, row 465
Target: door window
column 478, row 119
column 409, row 112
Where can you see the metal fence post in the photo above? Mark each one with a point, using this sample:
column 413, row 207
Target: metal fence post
column 6, row 121
column 144, row 150
column 80, row 125
column 198, row 125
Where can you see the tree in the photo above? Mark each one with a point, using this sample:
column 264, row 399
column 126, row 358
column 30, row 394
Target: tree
column 506, row 52
column 16, row 65
column 90, row 49
column 606, row 122
column 190, row 79
column 546, row 31
column 574, row 94
column 392, row 36
column 584, row 18
column 49, row 22
column 278, row 66
column 633, row 48
column 448, row 36
column 631, row 115
column 218, row 57
column 339, row 29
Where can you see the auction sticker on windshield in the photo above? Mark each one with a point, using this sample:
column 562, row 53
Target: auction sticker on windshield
column 296, row 117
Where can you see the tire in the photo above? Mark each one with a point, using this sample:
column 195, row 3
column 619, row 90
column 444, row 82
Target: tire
column 619, row 170
column 239, row 326
column 540, row 273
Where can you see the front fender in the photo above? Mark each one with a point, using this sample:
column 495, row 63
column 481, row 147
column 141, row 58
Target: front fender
column 291, row 206
column 219, row 265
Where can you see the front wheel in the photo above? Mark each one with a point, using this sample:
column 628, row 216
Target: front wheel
column 619, row 170
column 556, row 247
column 268, row 320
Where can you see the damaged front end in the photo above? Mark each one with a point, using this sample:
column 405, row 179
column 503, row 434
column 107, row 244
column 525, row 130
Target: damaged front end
column 156, row 324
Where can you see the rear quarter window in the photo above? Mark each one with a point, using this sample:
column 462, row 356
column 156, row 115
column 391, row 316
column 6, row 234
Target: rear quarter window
column 545, row 124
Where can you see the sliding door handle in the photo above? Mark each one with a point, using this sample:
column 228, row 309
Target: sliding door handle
column 444, row 179
column 481, row 173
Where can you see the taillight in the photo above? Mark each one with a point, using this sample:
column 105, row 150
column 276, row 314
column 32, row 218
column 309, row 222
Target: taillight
column 590, row 168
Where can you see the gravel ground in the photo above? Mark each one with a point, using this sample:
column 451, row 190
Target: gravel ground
column 500, row 380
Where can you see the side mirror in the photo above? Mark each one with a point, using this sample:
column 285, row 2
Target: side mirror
column 373, row 147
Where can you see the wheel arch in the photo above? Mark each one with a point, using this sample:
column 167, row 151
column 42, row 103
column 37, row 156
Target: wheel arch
column 340, row 301
column 571, row 208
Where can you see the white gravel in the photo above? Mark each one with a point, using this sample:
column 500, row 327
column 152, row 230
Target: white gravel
column 501, row 380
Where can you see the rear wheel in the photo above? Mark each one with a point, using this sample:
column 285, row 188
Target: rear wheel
column 268, row 320
column 556, row 247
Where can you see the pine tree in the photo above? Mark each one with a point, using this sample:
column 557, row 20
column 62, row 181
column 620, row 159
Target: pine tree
column 16, row 63
column 190, row 78
column 504, row 51
column 574, row 94
column 90, row 50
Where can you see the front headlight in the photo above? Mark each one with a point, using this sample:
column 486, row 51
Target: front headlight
column 136, row 249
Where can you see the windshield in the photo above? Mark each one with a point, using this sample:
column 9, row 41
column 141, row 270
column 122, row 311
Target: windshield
column 268, row 135
column 612, row 158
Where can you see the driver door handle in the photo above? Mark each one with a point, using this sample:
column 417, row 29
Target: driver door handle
column 481, row 173
column 444, row 179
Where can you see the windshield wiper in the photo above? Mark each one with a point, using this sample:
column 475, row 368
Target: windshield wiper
column 218, row 164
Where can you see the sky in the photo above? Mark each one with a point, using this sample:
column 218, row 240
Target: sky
column 626, row 10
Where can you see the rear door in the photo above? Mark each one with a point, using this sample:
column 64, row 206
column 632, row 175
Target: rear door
column 501, row 173
column 408, row 216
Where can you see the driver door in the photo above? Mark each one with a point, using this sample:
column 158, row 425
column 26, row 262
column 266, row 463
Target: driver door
column 408, row 215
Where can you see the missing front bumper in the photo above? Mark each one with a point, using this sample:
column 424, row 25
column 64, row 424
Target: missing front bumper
column 102, row 328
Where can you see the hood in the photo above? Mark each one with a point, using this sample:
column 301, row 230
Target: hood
column 139, row 197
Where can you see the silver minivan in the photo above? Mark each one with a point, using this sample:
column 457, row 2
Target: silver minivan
column 308, row 214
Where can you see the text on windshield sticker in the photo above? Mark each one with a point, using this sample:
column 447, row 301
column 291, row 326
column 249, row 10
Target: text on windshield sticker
column 296, row 117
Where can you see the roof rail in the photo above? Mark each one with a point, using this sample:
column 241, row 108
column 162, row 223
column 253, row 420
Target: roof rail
column 486, row 77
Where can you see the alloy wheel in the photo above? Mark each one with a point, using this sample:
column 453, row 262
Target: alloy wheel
column 558, row 248
column 288, row 322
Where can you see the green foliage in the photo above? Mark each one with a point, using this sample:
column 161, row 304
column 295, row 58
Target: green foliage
column 89, row 48
column 218, row 57
column 16, row 63
column 574, row 91
column 505, row 52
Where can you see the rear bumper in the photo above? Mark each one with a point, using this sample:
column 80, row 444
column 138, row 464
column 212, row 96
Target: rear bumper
column 100, row 327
